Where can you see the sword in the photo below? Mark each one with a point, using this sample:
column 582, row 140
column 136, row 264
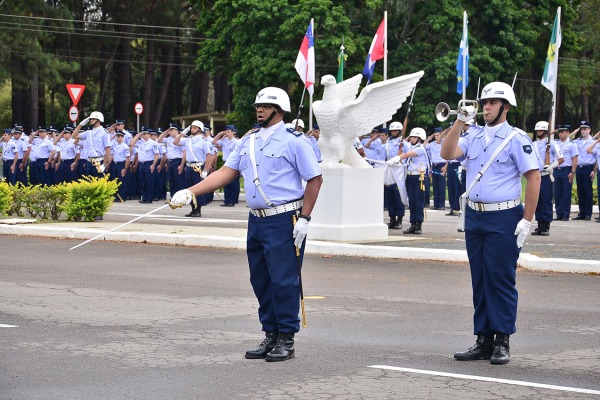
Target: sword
column 120, row 226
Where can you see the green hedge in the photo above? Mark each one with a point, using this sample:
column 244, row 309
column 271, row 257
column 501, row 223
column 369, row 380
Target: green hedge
column 79, row 201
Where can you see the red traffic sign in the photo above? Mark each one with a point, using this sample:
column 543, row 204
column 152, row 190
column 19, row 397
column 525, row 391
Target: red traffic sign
column 73, row 113
column 75, row 91
column 139, row 108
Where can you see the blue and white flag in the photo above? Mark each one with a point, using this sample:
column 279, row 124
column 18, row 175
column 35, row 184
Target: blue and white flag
column 462, row 64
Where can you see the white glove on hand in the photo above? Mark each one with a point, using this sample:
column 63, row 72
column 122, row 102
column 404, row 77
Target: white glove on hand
column 181, row 198
column 522, row 231
column 300, row 231
column 84, row 122
column 466, row 113
column 393, row 161
column 549, row 168
column 204, row 174
column 186, row 130
column 102, row 168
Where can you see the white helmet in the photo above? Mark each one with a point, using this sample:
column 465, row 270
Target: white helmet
column 300, row 123
column 198, row 124
column 418, row 132
column 289, row 125
column 541, row 126
column 97, row 115
column 396, row 126
column 273, row 95
column 499, row 90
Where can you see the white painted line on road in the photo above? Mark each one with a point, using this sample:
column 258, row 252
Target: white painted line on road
column 7, row 326
column 487, row 379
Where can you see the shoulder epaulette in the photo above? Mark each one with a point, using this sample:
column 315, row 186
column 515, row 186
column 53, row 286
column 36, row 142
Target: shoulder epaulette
column 294, row 132
column 522, row 132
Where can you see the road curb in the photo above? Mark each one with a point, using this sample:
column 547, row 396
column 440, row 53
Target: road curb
column 315, row 247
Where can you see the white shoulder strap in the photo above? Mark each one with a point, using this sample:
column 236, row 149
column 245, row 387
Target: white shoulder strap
column 491, row 160
column 255, row 169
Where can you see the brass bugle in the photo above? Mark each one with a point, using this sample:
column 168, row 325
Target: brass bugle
column 443, row 111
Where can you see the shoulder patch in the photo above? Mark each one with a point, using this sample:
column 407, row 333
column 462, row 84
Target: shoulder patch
column 294, row 132
column 527, row 149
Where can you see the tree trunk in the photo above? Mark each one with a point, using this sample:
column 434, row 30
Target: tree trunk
column 149, row 82
column 122, row 73
column 34, row 96
column 165, row 87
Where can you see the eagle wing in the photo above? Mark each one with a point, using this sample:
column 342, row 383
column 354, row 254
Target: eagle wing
column 376, row 104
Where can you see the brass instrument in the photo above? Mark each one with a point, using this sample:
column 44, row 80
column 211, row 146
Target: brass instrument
column 99, row 166
column 443, row 111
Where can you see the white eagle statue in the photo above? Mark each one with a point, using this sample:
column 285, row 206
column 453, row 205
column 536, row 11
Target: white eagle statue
column 342, row 116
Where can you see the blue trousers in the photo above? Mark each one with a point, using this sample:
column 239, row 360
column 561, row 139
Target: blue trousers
column 65, row 166
column 11, row 177
column 391, row 201
column 42, row 172
column 416, row 197
column 562, row 192
column 274, row 271
column 176, row 180
column 439, row 186
column 493, row 253
column 191, row 178
column 115, row 173
column 146, row 180
column 231, row 192
column 21, row 175
column 543, row 211
column 584, row 189
column 454, row 190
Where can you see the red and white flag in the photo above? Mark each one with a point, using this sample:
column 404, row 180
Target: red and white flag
column 376, row 52
column 305, row 62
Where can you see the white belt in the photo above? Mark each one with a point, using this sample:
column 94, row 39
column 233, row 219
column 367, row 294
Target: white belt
column 92, row 159
column 503, row 205
column 268, row 212
column 193, row 164
column 544, row 173
column 413, row 173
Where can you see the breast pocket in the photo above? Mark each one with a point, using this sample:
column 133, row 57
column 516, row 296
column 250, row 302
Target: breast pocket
column 274, row 161
column 502, row 162
column 245, row 161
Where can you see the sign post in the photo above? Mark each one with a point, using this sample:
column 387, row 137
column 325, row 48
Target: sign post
column 139, row 109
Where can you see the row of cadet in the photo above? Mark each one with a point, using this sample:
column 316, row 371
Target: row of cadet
column 148, row 164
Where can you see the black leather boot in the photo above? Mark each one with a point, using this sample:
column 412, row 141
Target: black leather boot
column 263, row 348
column 501, row 354
column 284, row 348
column 410, row 230
column 418, row 228
column 537, row 231
column 392, row 223
column 481, row 350
column 545, row 229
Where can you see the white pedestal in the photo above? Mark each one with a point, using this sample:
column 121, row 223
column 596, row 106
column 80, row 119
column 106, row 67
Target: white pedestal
column 350, row 206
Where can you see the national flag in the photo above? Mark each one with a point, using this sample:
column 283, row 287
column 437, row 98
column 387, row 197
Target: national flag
column 305, row 62
column 462, row 64
column 549, row 79
column 376, row 52
column 341, row 61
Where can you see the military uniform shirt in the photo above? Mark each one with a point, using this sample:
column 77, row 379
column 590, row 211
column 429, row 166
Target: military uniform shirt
column 196, row 149
column 8, row 150
column 540, row 148
column 585, row 158
column 147, row 150
column 434, row 149
column 569, row 151
column 69, row 150
column 96, row 142
column 120, row 152
column 283, row 162
column 45, row 147
column 420, row 162
column 173, row 151
column 227, row 146
column 502, row 180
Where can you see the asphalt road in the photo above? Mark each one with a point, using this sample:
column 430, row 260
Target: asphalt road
column 123, row 321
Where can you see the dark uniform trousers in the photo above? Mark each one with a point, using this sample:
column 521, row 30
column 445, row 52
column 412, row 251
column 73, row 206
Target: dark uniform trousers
column 65, row 166
column 493, row 253
column 21, row 175
column 146, row 180
column 392, row 202
column 231, row 192
column 543, row 211
column 191, row 178
column 562, row 192
column 115, row 173
column 10, row 177
column 91, row 170
column 584, row 189
column 416, row 197
column 42, row 172
column 176, row 181
column 274, row 271
column 81, row 168
column 439, row 185
column 454, row 190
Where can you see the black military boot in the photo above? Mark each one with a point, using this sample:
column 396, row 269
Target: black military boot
column 284, row 348
column 546, row 229
column 418, row 228
column 263, row 348
column 392, row 223
column 501, row 354
column 481, row 350
column 191, row 212
column 411, row 230
column 538, row 230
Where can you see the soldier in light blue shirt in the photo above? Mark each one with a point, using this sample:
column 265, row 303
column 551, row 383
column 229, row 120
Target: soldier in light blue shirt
column 565, row 174
column 97, row 144
column 585, row 172
column 274, row 162
column 439, row 166
column 120, row 159
column 44, row 154
column 226, row 142
column 148, row 157
column 10, row 157
column 175, row 158
column 496, row 223
column 594, row 149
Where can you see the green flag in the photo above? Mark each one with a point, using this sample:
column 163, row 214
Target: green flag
column 549, row 79
column 341, row 59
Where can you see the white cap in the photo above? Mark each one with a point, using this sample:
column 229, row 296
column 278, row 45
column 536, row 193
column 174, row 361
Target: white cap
column 273, row 95
column 97, row 115
column 541, row 126
column 396, row 126
column 499, row 90
column 418, row 132
column 300, row 123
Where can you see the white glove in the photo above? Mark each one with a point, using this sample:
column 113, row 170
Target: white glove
column 549, row 168
column 204, row 174
column 186, row 130
column 466, row 113
column 393, row 161
column 102, row 168
column 522, row 231
column 84, row 122
column 181, row 198
column 300, row 231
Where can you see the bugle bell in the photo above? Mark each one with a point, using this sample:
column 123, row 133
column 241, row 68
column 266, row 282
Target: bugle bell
column 443, row 111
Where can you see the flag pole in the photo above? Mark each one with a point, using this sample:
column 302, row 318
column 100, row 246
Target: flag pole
column 464, row 58
column 553, row 115
column 385, row 46
column 310, row 95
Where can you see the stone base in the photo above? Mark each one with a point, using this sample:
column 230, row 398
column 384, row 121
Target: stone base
column 350, row 206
